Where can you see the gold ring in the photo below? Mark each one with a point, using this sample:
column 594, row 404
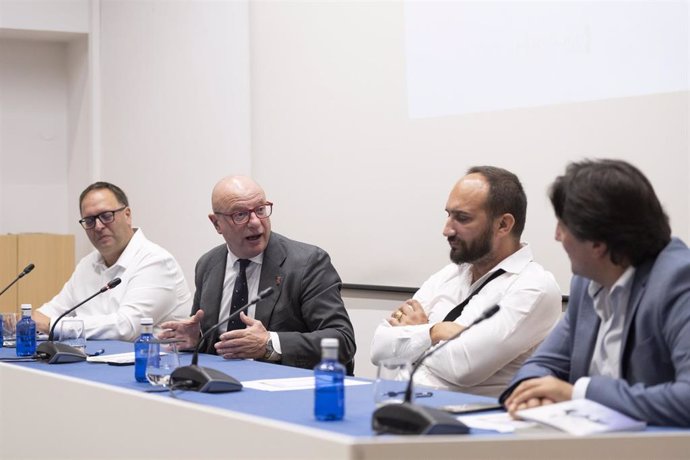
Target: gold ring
column 398, row 315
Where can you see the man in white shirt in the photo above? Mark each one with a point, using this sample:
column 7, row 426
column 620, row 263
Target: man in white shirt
column 486, row 216
column 152, row 281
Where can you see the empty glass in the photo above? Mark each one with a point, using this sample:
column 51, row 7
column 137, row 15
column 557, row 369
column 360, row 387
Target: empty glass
column 9, row 330
column 392, row 378
column 161, row 361
column 72, row 333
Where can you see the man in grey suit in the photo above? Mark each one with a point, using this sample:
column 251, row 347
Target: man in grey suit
column 625, row 340
column 287, row 326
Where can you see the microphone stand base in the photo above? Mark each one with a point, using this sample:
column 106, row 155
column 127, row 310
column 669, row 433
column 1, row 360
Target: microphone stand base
column 203, row 380
column 408, row 418
column 59, row 353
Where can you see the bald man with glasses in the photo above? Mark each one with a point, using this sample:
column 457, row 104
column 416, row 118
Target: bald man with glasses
column 287, row 326
column 152, row 281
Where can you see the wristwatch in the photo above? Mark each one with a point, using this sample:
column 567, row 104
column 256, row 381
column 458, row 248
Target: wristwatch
column 269, row 349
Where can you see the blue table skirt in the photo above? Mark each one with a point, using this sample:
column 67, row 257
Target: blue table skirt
column 294, row 406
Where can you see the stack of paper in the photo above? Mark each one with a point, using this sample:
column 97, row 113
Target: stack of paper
column 581, row 417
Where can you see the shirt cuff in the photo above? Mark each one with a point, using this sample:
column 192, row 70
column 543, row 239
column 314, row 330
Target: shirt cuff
column 421, row 336
column 580, row 388
column 275, row 341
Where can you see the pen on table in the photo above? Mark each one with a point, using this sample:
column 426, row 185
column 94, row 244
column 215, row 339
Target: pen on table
column 97, row 352
column 423, row 394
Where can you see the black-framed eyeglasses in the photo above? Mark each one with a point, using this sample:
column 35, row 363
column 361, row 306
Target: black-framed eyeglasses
column 241, row 217
column 105, row 217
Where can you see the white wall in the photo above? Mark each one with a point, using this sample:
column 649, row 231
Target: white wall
column 44, row 118
column 175, row 113
column 79, row 134
column 64, row 16
column 33, row 133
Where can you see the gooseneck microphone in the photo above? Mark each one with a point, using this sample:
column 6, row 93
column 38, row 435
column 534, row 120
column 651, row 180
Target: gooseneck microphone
column 59, row 353
column 24, row 272
column 410, row 418
column 204, row 379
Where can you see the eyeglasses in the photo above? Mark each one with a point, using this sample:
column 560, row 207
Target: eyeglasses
column 105, row 217
column 241, row 217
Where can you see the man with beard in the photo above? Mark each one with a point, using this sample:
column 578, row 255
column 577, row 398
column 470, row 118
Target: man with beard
column 486, row 216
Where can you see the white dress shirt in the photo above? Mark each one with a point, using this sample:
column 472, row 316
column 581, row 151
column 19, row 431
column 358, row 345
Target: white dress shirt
column 611, row 307
column 152, row 285
column 232, row 270
column 484, row 359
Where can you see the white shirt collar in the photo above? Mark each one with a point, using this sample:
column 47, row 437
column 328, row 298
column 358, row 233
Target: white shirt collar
column 623, row 282
column 127, row 256
column 232, row 258
column 514, row 263
column 608, row 301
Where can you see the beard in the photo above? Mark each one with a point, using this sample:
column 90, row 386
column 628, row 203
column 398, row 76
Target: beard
column 470, row 252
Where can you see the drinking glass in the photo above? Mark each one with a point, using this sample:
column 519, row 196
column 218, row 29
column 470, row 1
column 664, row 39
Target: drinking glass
column 72, row 333
column 162, row 360
column 392, row 378
column 9, row 330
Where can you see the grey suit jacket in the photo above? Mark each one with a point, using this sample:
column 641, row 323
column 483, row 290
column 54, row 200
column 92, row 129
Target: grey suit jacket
column 305, row 307
column 655, row 349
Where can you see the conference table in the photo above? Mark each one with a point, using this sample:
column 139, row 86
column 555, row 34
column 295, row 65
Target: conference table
column 94, row 410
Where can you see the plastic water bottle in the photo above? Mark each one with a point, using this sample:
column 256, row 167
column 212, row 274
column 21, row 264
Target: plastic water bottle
column 329, row 376
column 141, row 349
column 26, row 333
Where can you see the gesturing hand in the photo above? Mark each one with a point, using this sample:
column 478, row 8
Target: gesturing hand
column 244, row 343
column 186, row 331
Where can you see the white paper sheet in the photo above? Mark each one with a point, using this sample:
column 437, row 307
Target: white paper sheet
column 501, row 422
column 117, row 358
column 295, row 383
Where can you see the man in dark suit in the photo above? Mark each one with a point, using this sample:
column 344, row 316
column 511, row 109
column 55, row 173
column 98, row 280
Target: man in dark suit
column 624, row 341
column 287, row 326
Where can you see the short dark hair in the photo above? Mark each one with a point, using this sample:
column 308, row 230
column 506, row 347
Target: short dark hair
column 611, row 201
column 117, row 191
column 506, row 195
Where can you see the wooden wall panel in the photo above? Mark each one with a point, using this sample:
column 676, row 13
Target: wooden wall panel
column 53, row 256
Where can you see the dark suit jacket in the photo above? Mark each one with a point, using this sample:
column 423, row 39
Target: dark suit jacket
column 655, row 348
column 304, row 308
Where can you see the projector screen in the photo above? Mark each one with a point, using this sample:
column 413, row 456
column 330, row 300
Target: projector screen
column 465, row 57
column 366, row 113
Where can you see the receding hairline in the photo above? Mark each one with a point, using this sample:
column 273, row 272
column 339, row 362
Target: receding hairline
column 484, row 188
column 234, row 186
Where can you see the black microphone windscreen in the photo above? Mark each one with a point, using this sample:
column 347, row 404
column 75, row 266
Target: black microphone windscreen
column 114, row 283
column 491, row 312
column 28, row 268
